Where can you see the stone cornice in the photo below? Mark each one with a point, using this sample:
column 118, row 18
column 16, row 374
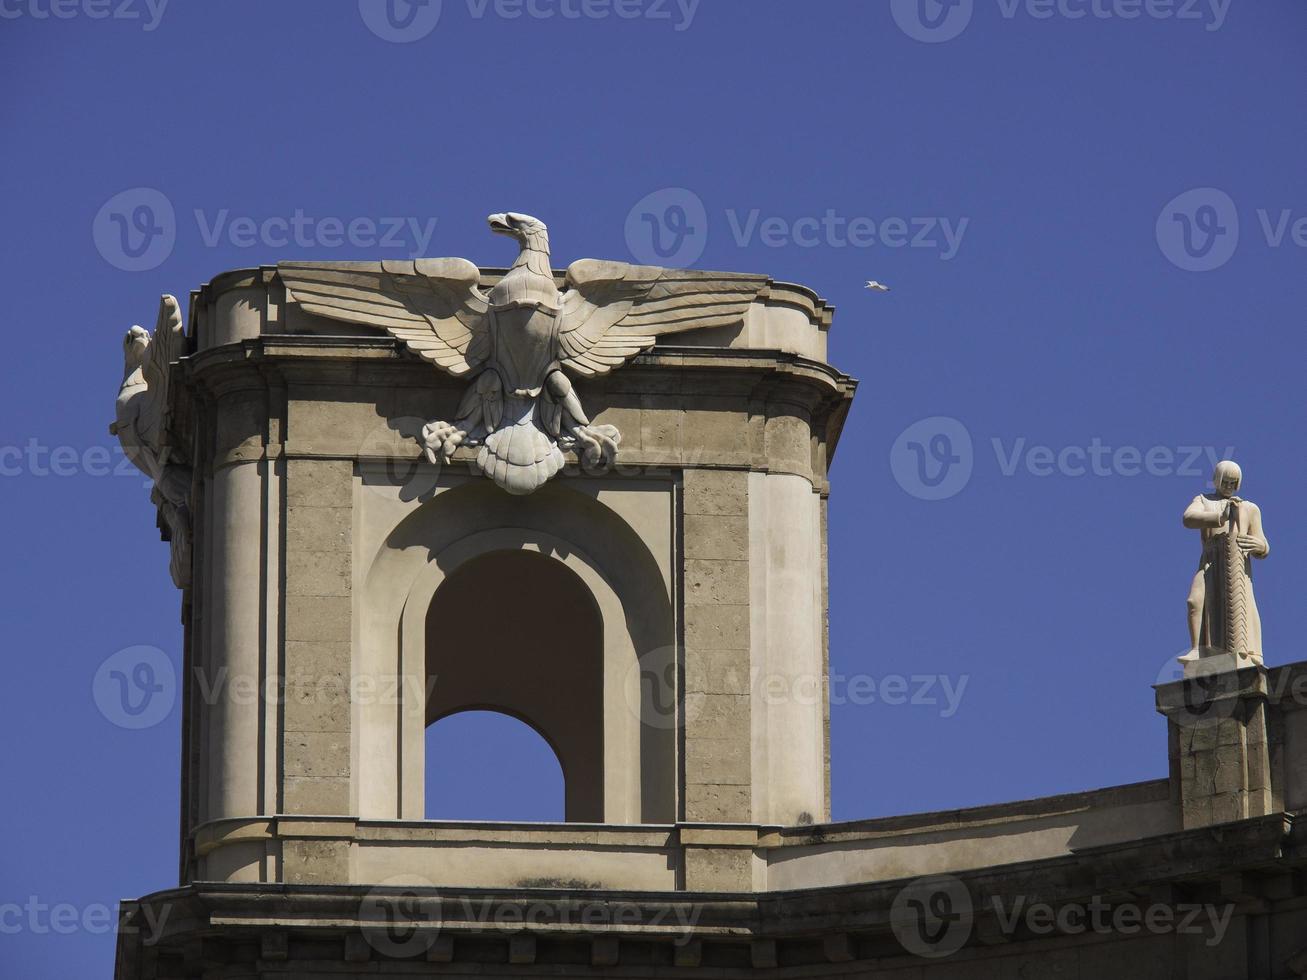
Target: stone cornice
column 1247, row 865
column 777, row 291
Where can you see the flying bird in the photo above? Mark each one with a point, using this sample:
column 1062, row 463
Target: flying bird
column 520, row 341
column 878, row 287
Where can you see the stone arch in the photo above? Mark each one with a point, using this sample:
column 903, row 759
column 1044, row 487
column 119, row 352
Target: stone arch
column 424, row 549
column 519, row 633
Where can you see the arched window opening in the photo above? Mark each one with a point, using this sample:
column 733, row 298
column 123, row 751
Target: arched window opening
column 517, row 632
column 483, row 765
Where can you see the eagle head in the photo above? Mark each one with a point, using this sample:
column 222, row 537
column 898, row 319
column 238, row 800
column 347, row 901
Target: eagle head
column 135, row 346
column 526, row 229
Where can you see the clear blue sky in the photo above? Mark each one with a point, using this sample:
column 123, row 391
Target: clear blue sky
column 1077, row 301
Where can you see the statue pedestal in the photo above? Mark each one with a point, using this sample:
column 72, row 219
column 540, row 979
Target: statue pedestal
column 1219, row 740
column 1216, row 663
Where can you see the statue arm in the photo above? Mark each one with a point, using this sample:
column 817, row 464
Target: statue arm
column 1261, row 547
column 1199, row 515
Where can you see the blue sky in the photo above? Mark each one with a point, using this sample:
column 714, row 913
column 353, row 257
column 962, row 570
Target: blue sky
column 1091, row 213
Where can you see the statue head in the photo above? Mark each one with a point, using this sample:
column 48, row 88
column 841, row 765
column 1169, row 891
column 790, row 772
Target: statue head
column 135, row 346
column 526, row 229
column 1226, row 478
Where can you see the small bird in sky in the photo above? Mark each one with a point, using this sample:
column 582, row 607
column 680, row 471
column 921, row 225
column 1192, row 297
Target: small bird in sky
column 877, row 287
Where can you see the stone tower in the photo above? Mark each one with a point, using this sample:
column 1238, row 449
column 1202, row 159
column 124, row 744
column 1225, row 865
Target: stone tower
column 594, row 500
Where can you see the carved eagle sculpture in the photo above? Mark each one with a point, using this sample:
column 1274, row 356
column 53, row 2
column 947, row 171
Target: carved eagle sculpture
column 139, row 415
column 520, row 341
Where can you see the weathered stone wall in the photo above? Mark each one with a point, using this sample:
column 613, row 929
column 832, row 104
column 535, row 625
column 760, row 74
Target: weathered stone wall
column 303, row 436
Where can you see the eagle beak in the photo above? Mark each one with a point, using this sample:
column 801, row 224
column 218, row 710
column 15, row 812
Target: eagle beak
column 499, row 224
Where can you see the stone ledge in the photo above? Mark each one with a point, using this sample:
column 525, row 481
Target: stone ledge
column 1250, row 864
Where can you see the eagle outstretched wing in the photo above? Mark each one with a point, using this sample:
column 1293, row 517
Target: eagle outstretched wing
column 435, row 306
column 613, row 311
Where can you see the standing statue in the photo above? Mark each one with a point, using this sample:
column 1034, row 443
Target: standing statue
column 519, row 342
column 1223, row 614
column 140, row 410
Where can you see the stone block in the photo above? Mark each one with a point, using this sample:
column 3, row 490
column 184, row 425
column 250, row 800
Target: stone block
column 660, row 431
column 715, row 803
column 789, row 444
column 718, row 869
column 317, row 618
column 722, row 761
column 717, row 627
column 709, row 671
column 242, row 419
column 325, row 796
column 322, row 754
column 318, row 573
column 319, row 483
column 522, row 949
column 311, row 528
column 688, row 954
column 1227, row 807
column 717, row 536
column 715, row 437
column 305, row 862
column 711, row 581
column 762, row 954
column 605, row 951
column 316, row 704
column 716, row 492
column 314, row 659
column 720, row 716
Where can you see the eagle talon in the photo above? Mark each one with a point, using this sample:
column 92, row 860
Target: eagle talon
column 597, row 443
column 442, row 438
